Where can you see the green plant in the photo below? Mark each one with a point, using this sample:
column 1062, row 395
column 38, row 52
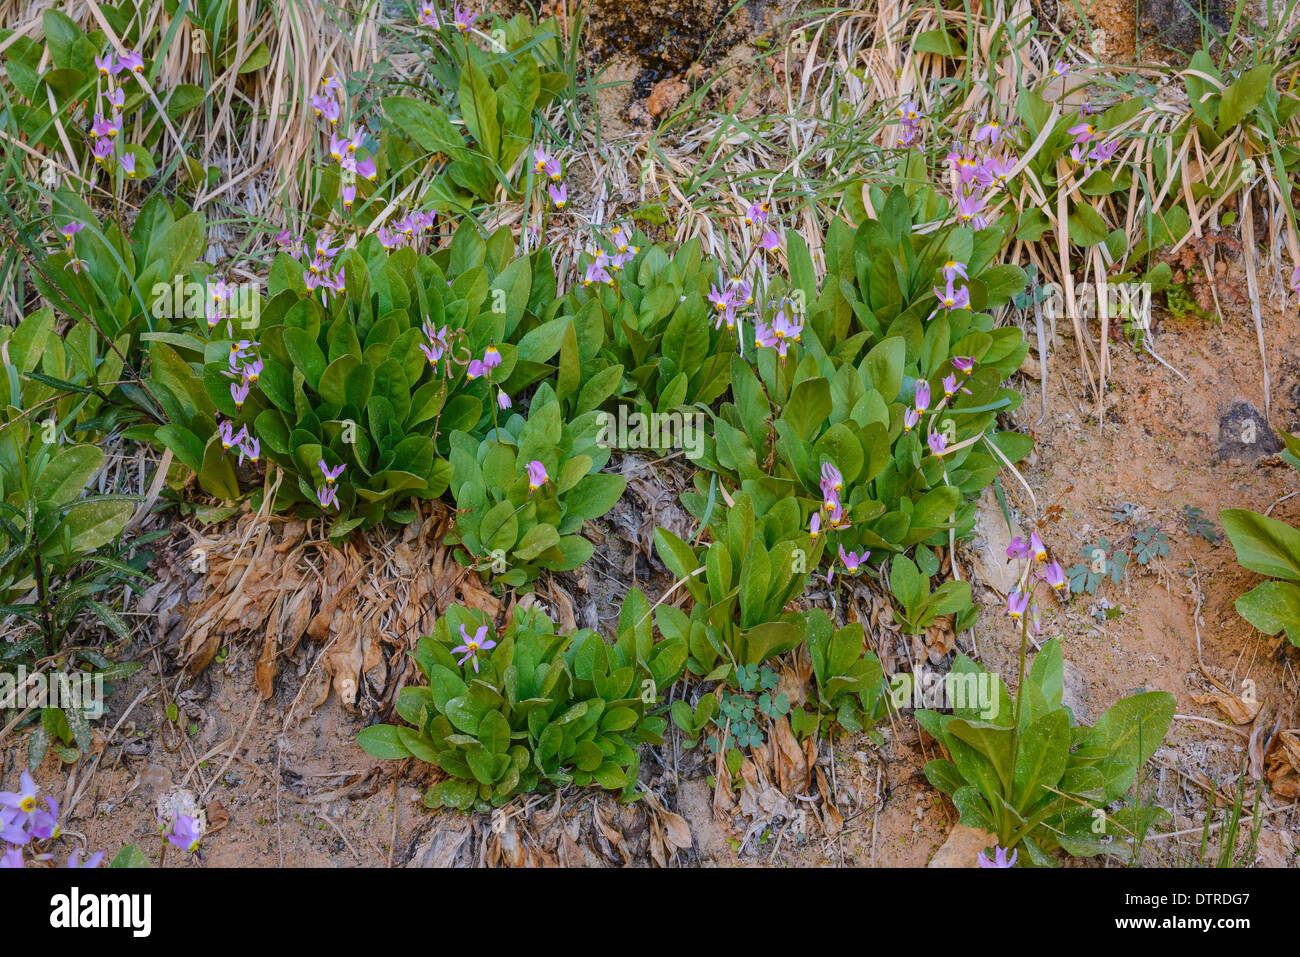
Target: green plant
column 512, row 529
column 1200, row 526
column 875, row 340
column 1272, row 548
column 918, row 606
column 740, row 584
column 541, row 709
column 850, row 680
column 1037, row 779
column 1152, row 543
column 481, row 110
column 1097, row 562
column 350, row 383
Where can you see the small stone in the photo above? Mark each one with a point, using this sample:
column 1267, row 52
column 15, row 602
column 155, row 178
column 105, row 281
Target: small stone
column 1244, row 434
column 963, row 847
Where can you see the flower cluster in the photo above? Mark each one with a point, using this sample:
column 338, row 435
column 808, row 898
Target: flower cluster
column 999, row 858
column 909, row 124
column 783, row 330
column 23, row 823
column 67, row 231
column 1088, row 145
column 935, row 439
column 321, row 273
column 406, row 229
column 551, row 172
column 107, row 132
column 605, row 264
column 327, row 493
column 460, row 18
column 1032, row 554
column 978, row 173
column 952, row 296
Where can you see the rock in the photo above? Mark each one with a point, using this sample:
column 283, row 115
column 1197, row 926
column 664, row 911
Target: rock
column 1244, row 434
column 665, row 95
column 1074, row 692
column 1176, row 24
column 989, row 548
column 963, row 847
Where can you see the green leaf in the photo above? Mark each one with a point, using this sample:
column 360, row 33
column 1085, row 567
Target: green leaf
column 382, row 741
column 1272, row 607
column 1263, row 544
column 1243, row 96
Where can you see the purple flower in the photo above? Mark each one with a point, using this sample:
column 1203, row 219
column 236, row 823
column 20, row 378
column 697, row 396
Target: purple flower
column 596, row 272
column 1000, row 856
column 127, row 162
column 950, row 298
column 995, row 171
column 837, row 518
column 12, row 830
column 852, row 560
column 1083, row 132
column 503, row 400
column 1295, row 280
column 472, row 646
column 102, row 150
column 349, row 195
column 721, row 299
column 476, row 369
column 45, row 824
column 537, row 476
column 952, row 269
column 993, row 131
column 103, row 127
column 559, row 194
column 251, row 448
column 331, row 474
column 1017, row 602
column 949, row 385
column 963, row 364
column 239, row 393
column 491, row 357
column 366, row 169
column 22, row 801
column 757, row 213
column 107, row 66
column 969, row 209
column 1054, row 575
column 117, row 97
column 13, row 857
column 815, row 526
column 131, row 60
column 1036, row 547
column 910, row 418
column 463, row 19
column 770, row 241
column 71, row 229
column 1019, row 548
column 922, row 395
column 327, row 495
column 325, row 107
column 938, row 443
column 184, row 833
column 1061, row 68
column 226, row 433
column 429, row 16
column 964, row 164
column 75, row 861
column 1105, row 152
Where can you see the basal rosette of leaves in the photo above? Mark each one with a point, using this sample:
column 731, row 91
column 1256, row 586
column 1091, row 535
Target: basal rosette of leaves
column 742, row 587
column 1035, row 777
column 347, row 379
column 874, row 332
column 511, row 530
column 1271, row 548
column 535, row 710
column 644, row 338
